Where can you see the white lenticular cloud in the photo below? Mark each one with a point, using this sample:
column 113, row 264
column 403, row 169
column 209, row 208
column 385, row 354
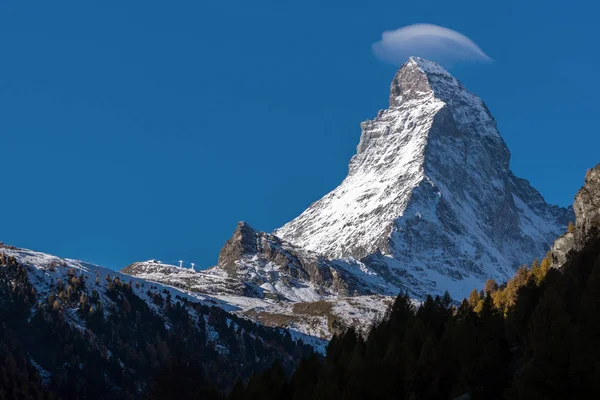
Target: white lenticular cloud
column 428, row 41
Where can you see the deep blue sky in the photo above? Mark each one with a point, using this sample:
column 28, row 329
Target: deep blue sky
column 132, row 130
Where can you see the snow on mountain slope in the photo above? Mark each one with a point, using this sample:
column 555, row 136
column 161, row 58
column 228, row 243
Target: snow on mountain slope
column 115, row 320
column 320, row 319
column 429, row 201
column 265, row 279
column 307, row 314
column 313, row 322
column 45, row 271
column 212, row 281
column 352, row 219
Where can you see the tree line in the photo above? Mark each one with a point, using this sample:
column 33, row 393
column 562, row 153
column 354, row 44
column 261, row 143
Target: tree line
column 101, row 340
column 536, row 337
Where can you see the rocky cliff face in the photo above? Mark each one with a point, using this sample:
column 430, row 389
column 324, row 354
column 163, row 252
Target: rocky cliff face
column 587, row 222
column 284, row 270
column 587, row 204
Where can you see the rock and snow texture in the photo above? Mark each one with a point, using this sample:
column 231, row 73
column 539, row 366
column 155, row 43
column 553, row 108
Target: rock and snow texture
column 209, row 281
column 430, row 203
column 288, row 272
column 313, row 322
column 259, row 265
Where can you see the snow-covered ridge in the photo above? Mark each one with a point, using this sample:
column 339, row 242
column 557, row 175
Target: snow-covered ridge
column 429, row 67
column 305, row 320
column 45, row 269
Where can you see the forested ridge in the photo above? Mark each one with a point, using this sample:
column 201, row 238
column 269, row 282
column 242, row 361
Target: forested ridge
column 534, row 337
column 79, row 343
column 537, row 337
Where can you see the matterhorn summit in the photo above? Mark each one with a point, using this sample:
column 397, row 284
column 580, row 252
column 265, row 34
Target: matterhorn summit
column 429, row 205
column 430, row 201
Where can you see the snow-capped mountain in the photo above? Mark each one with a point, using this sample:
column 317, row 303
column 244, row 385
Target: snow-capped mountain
column 429, row 204
column 429, row 200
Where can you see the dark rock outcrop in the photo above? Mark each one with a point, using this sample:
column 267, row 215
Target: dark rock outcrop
column 587, row 220
column 587, row 203
column 264, row 259
column 244, row 242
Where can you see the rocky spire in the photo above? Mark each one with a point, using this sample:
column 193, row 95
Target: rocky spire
column 587, row 219
column 587, row 203
column 409, row 83
column 284, row 270
column 244, row 242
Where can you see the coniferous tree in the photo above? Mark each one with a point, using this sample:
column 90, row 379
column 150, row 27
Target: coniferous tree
column 547, row 347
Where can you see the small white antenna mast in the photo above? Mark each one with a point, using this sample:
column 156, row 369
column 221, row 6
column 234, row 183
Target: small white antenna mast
column 180, row 263
column 193, row 267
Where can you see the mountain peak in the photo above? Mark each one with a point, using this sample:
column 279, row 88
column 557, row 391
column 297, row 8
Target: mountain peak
column 430, row 191
column 427, row 66
column 243, row 225
column 245, row 240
